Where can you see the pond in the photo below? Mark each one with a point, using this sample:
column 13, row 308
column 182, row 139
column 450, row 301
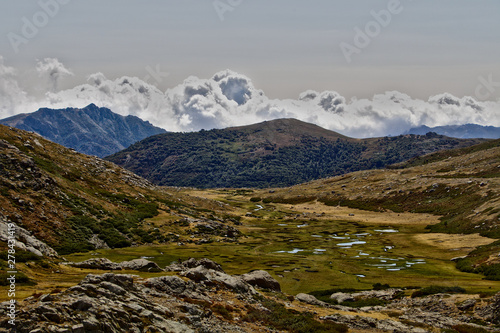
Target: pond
column 358, row 240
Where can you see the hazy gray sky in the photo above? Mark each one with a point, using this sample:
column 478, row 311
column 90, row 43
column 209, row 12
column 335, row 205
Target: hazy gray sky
column 285, row 46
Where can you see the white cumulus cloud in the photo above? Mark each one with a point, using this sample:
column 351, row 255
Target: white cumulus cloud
column 13, row 99
column 52, row 70
column 230, row 99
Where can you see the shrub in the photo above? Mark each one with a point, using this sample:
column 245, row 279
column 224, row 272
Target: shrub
column 21, row 256
column 379, row 286
column 21, row 279
column 492, row 272
column 281, row 318
column 223, row 311
column 469, row 329
column 432, row 290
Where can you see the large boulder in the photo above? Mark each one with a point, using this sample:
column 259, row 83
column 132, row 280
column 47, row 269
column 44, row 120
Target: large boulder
column 215, row 278
column 341, row 297
column 98, row 263
column 24, row 240
column 192, row 263
column 309, row 299
column 261, row 279
column 386, row 294
column 169, row 284
column 372, row 324
column 142, row 265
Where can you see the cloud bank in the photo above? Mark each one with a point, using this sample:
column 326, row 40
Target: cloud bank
column 231, row 99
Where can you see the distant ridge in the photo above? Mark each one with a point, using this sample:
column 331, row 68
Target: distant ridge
column 467, row 131
column 91, row 130
column 280, row 152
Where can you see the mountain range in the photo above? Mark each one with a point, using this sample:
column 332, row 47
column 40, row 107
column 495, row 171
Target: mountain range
column 91, row 130
column 466, row 131
column 279, row 152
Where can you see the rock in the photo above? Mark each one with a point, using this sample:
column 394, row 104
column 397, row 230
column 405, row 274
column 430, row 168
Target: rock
column 261, row 279
column 491, row 312
column 97, row 263
column 212, row 277
column 46, row 298
column 115, row 289
column 24, row 240
column 210, row 227
column 115, row 303
column 192, row 263
column 386, row 294
column 82, row 304
column 433, row 319
column 79, row 328
column 467, row 305
column 142, row 265
column 98, row 243
column 310, row 299
column 170, row 284
column 341, row 297
column 369, row 323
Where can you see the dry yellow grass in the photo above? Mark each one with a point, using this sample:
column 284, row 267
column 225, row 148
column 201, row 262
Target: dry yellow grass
column 453, row 242
column 357, row 215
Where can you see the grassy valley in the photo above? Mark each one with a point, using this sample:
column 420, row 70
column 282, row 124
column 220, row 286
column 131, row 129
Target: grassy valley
column 425, row 226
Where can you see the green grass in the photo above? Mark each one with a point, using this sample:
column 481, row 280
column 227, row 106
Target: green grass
column 432, row 290
column 308, row 271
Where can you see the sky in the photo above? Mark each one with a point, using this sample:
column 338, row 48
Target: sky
column 356, row 49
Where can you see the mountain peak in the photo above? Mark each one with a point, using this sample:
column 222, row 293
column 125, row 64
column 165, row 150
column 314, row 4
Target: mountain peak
column 91, row 130
column 272, row 153
column 466, row 131
column 290, row 126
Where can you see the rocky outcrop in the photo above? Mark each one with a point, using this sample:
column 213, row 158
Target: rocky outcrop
column 341, row 297
column 425, row 314
column 386, row 295
column 215, row 278
column 100, row 303
column 369, row 323
column 261, row 279
column 141, row 265
column 310, row 299
column 206, row 228
column 192, row 263
column 126, row 303
column 97, row 263
column 24, row 240
column 491, row 312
